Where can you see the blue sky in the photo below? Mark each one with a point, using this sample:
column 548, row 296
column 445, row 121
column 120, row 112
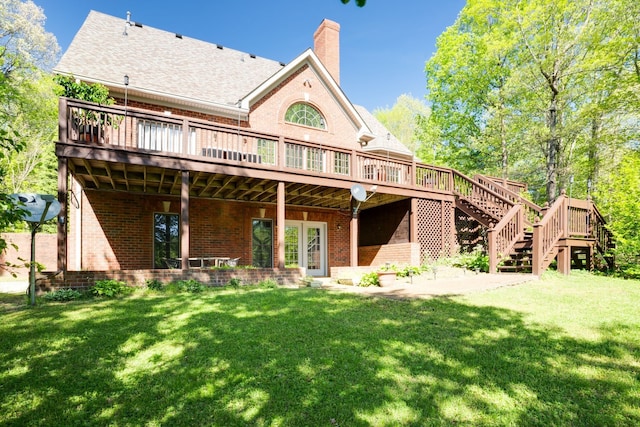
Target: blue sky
column 383, row 46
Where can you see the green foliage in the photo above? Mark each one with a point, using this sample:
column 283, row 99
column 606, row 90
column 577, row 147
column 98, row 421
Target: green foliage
column 402, row 119
column 25, row 107
column 190, row 285
column 359, row 3
column 629, row 271
column 476, row 260
column 69, row 87
column 62, row 295
column 234, row 282
column 153, row 284
column 409, row 270
column 619, row 201
column 540, row 91
column 369, row 279
column 268, row 284
column 110, row 288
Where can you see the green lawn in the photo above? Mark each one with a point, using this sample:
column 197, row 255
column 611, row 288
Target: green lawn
column 554, row 352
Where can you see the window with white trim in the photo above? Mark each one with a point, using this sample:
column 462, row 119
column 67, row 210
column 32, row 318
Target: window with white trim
column 304, row 114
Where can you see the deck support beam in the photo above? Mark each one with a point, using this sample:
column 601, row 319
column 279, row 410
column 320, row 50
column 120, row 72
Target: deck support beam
column 184, row 225
column 353, row 236
column 63, row 183
column 280, row 219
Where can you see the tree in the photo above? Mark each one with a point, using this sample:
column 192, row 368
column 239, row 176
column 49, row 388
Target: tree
column 402, row 119
column 536, row 88
column 25, row 48
column 619, row 201
column 34, row 167
column 360, row 3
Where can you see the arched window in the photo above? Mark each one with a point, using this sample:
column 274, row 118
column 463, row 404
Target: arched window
column 304, row 114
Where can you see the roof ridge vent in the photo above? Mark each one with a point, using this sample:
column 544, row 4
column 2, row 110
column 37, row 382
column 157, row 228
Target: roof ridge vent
column 178, row 36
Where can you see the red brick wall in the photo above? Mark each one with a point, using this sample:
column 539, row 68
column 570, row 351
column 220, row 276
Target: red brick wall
column 399, row 254
column 46, row 252
column 179, row 112
column 117, row 230
column 268, row 114
column 86, row 279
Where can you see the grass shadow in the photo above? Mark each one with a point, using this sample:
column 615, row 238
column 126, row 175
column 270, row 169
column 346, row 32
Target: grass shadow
column 306, row 357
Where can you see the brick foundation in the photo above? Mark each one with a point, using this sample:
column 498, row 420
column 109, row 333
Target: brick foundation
column 399, row 254
column 49, row 281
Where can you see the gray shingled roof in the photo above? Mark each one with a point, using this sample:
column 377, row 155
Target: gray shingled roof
column 159, row 61
column 381, row 143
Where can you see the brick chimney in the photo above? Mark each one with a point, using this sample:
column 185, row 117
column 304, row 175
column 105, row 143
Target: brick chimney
column 326, row 45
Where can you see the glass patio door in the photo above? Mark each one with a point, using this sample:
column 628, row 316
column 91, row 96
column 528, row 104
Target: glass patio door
column 306, row 246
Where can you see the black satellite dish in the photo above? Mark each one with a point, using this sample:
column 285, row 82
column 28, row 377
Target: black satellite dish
column 358, row 192
column 36, row 205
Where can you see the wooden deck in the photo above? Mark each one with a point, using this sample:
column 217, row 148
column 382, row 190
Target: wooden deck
column 113, row 148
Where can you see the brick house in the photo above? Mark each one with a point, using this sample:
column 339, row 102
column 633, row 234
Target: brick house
column 210, row 154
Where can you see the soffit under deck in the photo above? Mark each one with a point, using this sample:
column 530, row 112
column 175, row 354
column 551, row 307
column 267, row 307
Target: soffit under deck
column 158, row 181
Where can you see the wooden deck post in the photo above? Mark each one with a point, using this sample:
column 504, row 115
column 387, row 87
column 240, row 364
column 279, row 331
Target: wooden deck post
column 353, row 237
column 280, row 220
column 184, row 226
column 63, row 182
column 564, row 260
column 492, row 249
column 536, row 250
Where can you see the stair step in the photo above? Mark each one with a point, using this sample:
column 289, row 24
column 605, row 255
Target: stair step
column 514, row 269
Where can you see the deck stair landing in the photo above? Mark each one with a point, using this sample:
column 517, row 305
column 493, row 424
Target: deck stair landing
column 525, row 238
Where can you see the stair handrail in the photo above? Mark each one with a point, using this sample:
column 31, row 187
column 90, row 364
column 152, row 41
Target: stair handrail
column 598, row 229
column 488, row 195
column 532, row 211
column 504, row 235
column 547, row 232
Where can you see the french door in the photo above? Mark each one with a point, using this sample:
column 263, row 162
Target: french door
column 306, row 246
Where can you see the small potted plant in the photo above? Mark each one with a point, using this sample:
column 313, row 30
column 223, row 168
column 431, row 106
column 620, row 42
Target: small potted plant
column 387, row 275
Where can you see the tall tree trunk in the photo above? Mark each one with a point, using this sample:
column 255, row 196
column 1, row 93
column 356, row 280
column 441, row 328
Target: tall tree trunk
column 553, row 150
column 592, row 152
column 503, row 145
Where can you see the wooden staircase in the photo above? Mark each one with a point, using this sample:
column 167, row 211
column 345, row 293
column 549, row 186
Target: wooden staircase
column 521, row 257
column 523, row 237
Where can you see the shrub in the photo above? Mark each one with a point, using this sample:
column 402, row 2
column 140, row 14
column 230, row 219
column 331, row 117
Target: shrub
column 477, row 259
column 62, row 295
column 369, row 279
column 234, row 282
column 153, row 284
column 109, row 288
column 190, row 285
column 630, row 271
column 268, row 283
column 409, row 270
column 194, row 286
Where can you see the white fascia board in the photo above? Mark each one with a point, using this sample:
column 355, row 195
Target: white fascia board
column 224, row 110
column 364, row 133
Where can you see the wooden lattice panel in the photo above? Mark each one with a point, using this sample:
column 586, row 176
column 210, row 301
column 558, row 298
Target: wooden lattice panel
column 436, row 231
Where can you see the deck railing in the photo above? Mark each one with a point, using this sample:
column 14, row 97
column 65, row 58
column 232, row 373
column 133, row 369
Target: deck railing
column 481, row 196
column 504, row 235
column 135, row 129
column 547, row 233
column 148, row 130
column 599, row 231
column 531, row 210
